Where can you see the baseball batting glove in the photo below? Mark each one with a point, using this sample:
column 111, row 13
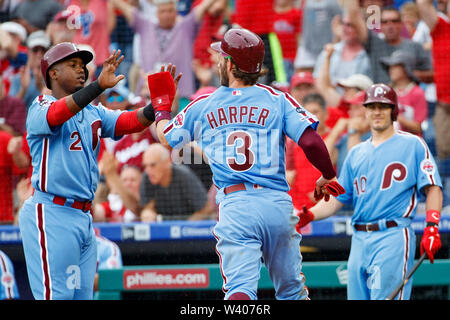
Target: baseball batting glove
column 431, row 242
column 305, row 216
column 333, row 188
column 162, row 93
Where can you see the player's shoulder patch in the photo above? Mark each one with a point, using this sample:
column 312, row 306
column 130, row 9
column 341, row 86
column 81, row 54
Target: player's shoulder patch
column 44, row 101
column 178, row 121
column 427, row 166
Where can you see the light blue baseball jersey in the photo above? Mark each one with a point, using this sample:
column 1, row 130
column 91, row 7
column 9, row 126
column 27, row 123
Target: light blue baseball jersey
column 64, row 158
column 242, row 133
column 383, row 182
column 8, row 285
column 108, row 254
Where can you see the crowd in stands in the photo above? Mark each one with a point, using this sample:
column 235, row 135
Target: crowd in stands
column 324, row 53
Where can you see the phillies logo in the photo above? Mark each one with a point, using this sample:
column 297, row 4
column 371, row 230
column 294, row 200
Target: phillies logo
column 179, row 120
column 394, row 171
column 427, row 166
column 378, row 91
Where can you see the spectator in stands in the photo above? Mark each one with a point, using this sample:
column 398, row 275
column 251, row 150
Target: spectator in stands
column 6, row 9
column 257, row 16
column 413, row 107
column 94, row 21
column 13, row 113
column 169, row 41
column 35, row 15
column 303, row 174
column 210, row 27
column 302, row 83
column 316, row 31
column 13, row 54
column 378, row 47
column 348, row 56
column 123, row 188
column 122, row 38
column 28, row 83
column 8, row 284
column 348, row 132
column 337, row 101
column 11, row 155
column 109, row 256
column 287, row 26
column 59, row 29
column 440, row 33
column 170, row 191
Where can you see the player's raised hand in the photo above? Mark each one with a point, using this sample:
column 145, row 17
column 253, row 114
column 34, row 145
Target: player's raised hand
column 107, row 78
column 172, row 69
column 163, row 86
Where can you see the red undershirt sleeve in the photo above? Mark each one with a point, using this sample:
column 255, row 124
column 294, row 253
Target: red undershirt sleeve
column 127, row 123
column 58, row 113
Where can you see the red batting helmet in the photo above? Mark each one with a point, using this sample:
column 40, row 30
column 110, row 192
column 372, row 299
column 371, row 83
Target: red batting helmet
column 60, row 52
column 382, row 93
column 244, row 47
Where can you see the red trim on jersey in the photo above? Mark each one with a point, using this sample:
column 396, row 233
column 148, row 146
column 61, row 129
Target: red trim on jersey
column 405, row 265
column 267, row 88
column 412, row 204
column 221, row 265
column 185, row 110
column 127, row 123
column 4, row 268
column 58, row 113
column 44, row 252
column 44, row 160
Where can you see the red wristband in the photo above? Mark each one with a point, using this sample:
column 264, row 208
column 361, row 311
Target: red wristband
column 433, row 216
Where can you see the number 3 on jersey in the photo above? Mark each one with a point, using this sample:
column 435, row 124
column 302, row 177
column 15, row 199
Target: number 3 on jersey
column 244, row 157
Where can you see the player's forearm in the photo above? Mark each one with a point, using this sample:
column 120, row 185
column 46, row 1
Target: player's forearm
column 65, row 108
column 434, row 198
column 134, row 121
column 317, row 153
column 160, row 132
column 324, row 209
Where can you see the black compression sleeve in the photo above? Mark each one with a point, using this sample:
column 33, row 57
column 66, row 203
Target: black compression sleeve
column 149, row 112
column 86, row 95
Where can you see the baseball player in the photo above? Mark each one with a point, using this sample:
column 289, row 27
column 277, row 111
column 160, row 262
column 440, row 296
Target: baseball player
column 109, row 255
column 382, row 177
column 64, row 131
column 8, row 285
column 241, row 128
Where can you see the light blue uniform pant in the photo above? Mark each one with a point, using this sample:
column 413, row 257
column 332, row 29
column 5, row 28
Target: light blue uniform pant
column 255, row 224
column 378, row 262
column 60, row 250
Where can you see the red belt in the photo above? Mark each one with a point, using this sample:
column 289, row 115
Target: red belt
column 374, row 226
column 83, row 206
column 237, row 187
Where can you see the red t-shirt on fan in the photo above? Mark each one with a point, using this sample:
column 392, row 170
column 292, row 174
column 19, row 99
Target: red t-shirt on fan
column 441, row 59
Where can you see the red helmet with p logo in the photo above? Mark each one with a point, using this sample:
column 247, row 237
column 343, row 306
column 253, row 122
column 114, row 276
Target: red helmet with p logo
column 382, row 93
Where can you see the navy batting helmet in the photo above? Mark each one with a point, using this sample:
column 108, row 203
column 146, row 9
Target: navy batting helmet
column 60, row 52
column 244, row 47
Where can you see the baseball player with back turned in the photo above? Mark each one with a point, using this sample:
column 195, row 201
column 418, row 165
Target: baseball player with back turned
column 382, row 177
column 241, row 128
column 64, row 131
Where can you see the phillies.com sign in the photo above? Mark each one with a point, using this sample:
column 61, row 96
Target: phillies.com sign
column 165, row 279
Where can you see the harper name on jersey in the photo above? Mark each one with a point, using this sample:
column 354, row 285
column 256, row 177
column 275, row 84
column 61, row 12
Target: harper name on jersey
column 242, row 114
